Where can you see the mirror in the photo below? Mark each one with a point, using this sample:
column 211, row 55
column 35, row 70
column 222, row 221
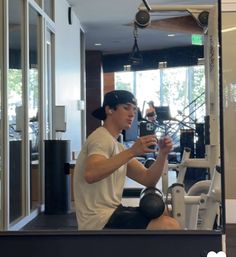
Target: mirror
column 194, row 123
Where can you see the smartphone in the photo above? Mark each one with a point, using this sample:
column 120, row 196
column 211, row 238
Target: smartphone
column 147, row 128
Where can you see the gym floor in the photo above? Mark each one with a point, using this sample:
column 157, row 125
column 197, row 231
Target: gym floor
column 53, row 222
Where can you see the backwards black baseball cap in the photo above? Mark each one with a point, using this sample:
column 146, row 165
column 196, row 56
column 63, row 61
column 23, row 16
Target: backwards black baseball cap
column 112, row 99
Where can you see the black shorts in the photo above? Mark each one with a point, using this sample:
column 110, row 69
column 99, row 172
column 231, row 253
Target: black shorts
column 127, row 218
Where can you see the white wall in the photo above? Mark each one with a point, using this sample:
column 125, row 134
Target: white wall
column 229, row 85
column 68, row 71
column 1, row 69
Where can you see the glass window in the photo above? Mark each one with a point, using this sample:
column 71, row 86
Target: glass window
column 148, row 88
column 124, row 81
column 178, row 95
column 182, row 89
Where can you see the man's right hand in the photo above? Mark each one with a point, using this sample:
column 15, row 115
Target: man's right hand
column 143, row 144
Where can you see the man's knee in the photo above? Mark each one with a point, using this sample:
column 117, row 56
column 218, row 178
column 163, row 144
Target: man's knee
column 164, row 222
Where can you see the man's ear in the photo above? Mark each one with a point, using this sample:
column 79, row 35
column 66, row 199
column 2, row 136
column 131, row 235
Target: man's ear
column 108, row 110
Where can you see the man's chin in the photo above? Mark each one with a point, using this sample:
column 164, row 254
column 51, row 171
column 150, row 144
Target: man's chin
column 128, row 126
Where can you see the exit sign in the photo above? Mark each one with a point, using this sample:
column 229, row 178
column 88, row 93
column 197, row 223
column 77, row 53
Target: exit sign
column 196, row 39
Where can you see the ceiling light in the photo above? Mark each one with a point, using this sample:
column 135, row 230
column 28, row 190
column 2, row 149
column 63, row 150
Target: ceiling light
column 98, row 44
column 171, row 35
column 127, row 67
column 201, row 61
column 162, row 65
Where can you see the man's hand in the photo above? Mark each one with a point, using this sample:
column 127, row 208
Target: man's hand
column 143, row 144
column 165, row 145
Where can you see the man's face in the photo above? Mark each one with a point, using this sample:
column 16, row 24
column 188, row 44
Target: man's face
column 124, row 115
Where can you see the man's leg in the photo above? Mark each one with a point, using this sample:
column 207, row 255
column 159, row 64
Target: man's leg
column 163, row 222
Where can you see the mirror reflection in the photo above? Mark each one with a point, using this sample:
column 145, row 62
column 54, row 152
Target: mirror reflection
column 162, row 97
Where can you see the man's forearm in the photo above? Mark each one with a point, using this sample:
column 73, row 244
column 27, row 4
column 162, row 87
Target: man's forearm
column 100, row 168
column 155, row 171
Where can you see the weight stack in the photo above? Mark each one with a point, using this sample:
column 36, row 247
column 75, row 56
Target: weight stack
column 187, row 140
column 201, row 173
column 57, row 179
column 200, row 144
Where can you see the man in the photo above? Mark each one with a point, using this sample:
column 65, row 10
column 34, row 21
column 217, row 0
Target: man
column 103, row 164
column 151, row 112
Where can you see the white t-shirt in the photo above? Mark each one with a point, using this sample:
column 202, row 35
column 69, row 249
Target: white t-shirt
column 95, row 203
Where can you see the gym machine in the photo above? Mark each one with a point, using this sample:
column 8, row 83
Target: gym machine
column 196, row 209
column 200, row 206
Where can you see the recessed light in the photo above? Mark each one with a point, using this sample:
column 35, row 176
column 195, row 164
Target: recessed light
column 98, row 44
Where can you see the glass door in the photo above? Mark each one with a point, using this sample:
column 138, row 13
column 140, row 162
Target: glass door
column 49, row 94
column 33, row 106
column 24, row 119
column 15, row 110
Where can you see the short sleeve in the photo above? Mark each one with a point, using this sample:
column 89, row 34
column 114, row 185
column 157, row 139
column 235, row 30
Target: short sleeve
column 102, row 145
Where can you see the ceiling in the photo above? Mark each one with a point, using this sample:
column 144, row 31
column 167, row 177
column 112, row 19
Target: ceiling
column 109, row 22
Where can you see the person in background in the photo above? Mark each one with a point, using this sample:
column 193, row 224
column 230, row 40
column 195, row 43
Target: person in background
column 151, row 112
column 140, row 116
column 104, row 163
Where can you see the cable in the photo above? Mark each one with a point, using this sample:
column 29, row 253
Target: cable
column 147, row 5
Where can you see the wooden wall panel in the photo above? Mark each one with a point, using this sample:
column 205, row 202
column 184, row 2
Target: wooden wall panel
column 94, row 88
column 109, row 82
